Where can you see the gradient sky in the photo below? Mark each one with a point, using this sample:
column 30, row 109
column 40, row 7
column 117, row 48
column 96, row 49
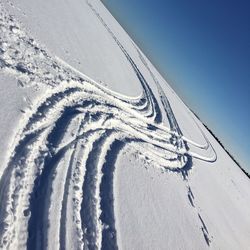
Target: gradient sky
column 202, row 48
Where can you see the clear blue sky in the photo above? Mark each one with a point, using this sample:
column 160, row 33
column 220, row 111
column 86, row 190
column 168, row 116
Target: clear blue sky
column 203, row 50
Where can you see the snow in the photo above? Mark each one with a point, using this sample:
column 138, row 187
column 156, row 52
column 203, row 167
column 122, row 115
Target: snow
column 76, row 42
column 97, row 150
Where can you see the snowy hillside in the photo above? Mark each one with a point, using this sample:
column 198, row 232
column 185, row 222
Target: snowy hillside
column 97, row 151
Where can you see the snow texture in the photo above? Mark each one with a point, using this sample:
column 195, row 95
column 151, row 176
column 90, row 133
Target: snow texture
column 97, row 150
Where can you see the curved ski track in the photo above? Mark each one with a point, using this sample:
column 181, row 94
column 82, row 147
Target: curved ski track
column 56, row 190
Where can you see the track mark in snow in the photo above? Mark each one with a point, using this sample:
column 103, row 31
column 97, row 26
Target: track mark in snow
column 203, row 226
column 109, row 238
column 90, row 220
column 205, row 231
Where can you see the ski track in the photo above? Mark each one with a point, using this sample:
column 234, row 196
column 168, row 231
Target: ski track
column 56, row 189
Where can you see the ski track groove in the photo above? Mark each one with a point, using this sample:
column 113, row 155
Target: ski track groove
column 67, row 186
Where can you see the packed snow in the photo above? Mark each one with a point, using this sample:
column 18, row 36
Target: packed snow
column 97, row 150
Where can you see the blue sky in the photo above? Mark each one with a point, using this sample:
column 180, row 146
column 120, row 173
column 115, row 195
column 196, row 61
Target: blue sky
column 202, row 48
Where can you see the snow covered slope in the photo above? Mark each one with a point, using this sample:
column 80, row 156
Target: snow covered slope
column 97, row 151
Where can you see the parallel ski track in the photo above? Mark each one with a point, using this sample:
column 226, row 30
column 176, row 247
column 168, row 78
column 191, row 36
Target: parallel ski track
column 56, row 190
column 177, row 138
column 27, row 183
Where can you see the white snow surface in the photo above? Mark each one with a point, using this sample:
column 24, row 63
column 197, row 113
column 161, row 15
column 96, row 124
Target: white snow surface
column 97, row 151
